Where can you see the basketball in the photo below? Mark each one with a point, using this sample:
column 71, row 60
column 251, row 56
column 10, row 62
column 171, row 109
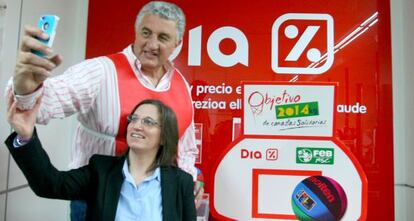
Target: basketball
column 319, row 198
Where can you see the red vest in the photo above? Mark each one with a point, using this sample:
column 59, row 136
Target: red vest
column 131, row 92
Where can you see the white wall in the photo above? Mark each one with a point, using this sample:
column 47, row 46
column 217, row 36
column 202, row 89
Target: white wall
column 17, row 201
column 402, row 28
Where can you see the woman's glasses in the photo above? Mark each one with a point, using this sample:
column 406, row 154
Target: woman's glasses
column 146, row 121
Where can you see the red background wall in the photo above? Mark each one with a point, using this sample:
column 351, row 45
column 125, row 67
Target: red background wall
column 362, row 68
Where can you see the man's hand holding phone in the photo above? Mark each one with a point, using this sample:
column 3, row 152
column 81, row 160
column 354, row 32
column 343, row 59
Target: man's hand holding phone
column 35, row 58
column 48, row 24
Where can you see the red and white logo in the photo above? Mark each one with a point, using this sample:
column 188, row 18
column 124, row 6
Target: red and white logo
column 271, row 154
column 302, row 43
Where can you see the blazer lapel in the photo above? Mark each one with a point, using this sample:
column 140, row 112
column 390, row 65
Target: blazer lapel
column 113, row 190
column 168, row 193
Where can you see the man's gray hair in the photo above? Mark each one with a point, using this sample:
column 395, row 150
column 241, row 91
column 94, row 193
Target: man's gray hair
column 165, row 10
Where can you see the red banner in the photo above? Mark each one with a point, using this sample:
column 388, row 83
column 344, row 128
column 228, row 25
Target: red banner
column 228, row 42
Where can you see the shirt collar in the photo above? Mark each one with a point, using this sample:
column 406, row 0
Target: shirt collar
column 127, row 176
column 136, row 65
column 134, row 60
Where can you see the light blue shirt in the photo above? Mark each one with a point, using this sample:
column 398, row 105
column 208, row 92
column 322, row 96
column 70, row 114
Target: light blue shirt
column 143, row 202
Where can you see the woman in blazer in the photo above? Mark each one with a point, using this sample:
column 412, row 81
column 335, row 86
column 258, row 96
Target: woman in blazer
column 144, row 184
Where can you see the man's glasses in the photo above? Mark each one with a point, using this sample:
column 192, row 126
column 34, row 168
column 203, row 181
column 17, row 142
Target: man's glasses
column 146, row 121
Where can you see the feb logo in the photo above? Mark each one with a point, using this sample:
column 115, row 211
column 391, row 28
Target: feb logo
column 319, row 198
column 302, row 43
column 311, row 155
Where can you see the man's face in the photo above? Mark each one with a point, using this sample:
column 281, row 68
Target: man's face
column 155, row 40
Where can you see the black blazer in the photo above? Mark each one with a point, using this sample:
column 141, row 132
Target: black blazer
column 99, row 183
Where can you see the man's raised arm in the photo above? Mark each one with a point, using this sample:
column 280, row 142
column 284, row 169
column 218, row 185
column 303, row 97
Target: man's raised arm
column 31, row 69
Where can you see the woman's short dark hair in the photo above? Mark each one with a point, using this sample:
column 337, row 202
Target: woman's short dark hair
column 167, row 153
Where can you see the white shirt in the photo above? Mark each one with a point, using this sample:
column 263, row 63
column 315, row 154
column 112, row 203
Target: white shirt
column 90, row 89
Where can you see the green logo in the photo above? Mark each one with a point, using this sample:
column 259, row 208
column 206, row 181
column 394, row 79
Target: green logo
column 314, row 155
column 297, row 110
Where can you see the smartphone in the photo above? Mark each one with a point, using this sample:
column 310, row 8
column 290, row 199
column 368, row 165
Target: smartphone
column 48, row 24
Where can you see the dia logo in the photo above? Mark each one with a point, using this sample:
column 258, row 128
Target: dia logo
column 314, row 155
column 301, row 34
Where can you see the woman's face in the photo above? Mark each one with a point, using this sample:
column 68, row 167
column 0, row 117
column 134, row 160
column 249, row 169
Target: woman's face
column 144, row 129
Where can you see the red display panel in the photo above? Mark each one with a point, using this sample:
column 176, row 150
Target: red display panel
column 233, row 41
